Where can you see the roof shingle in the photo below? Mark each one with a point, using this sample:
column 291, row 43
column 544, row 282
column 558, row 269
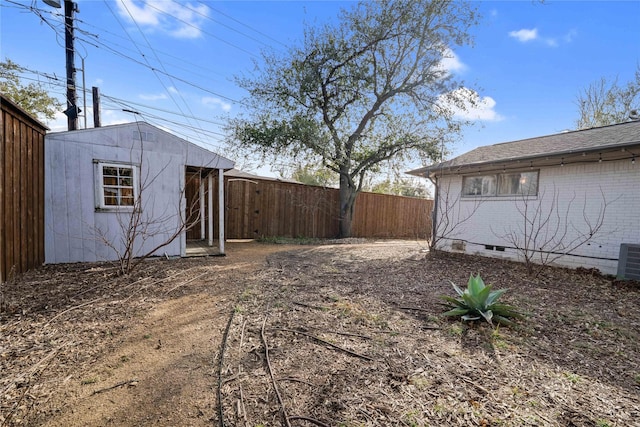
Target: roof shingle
column 579, row 141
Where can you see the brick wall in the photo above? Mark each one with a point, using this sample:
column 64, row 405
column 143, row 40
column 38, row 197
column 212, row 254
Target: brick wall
column 575, row 195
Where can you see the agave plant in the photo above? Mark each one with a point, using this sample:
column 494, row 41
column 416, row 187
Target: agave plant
column 479, row 301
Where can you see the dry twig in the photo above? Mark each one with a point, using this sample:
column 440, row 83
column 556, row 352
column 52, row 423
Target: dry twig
column 273, row 380
column 311, row 420
column 223, row 346
column 337, row 347
column 120, row 384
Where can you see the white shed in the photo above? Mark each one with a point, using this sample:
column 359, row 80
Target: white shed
column 570, row 199
column 107, row 186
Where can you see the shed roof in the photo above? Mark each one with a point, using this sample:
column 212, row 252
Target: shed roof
column 606, row 139
column 195, row 155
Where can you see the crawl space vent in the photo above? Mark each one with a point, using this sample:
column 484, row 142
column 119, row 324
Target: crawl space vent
column 458, row 245
column 629, row 262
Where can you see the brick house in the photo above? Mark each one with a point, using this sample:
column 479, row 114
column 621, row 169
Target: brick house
column 569, row 199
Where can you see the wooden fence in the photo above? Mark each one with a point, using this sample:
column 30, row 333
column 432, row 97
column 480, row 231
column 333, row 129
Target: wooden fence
column 21, row 191
column 267, row 208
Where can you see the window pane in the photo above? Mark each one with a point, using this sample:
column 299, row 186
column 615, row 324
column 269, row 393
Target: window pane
column 519, row 183
column 472, row 186
column 126, row 192
column 489, row 185
column 126, row 182
column 126, row 201
column 109, row 171
column 110, row 196
column 479, row 185
column 126, row 171
column 110, row 180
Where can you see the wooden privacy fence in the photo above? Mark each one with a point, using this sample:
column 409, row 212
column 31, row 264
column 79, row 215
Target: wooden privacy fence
column 21, row 191
column 268, row 208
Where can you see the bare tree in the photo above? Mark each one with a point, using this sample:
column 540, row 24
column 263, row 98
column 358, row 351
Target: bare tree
column 138, row 222
column 606, row 102
column 448, row 216
column 547, row 232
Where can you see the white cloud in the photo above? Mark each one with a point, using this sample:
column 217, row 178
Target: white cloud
column 451, row 62
column 568, row 38
column 177, row 20
column 152, row 97
column 467, row 104
column 216, row 102
column 524, row 35
column 58, row 123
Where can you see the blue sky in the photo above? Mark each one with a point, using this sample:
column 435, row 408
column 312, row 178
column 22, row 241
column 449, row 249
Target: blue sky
column 174, row 61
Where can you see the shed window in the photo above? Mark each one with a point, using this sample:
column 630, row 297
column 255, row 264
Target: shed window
column 116, row 185
column 501, row 184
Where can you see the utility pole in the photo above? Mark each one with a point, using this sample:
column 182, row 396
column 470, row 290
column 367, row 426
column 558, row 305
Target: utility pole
column 72, row 110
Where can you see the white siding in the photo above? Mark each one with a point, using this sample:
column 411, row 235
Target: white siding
column 579, row 190
column 74, row 227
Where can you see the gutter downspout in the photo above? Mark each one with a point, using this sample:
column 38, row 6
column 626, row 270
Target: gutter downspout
column 434, row 214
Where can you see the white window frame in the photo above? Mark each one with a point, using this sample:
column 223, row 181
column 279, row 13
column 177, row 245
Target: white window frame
column 99, row 183
column 496, row 180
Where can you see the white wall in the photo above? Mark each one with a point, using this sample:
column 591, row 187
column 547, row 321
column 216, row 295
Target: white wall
column 74, row 226
column 579, row 202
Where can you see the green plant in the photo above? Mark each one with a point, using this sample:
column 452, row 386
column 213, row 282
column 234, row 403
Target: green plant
column 479, row 301
column 574, row 378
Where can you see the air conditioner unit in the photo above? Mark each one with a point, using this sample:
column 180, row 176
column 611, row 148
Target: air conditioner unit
column 629, row 261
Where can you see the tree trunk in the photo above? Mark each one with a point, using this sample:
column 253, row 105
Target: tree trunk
column 348, row 194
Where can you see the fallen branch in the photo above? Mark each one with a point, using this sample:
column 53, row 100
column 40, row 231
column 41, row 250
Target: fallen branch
column 297, row 380
column 120, row 384
column 415, row 309
column 476, row 385
column 70, row 309
column 311, row 420
column 349, row 334
column 352, row 353
column 223, row 346
column 273, row 380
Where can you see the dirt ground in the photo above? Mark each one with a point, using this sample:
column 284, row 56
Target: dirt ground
column 326, row 335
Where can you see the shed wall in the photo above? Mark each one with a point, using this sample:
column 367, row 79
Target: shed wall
column 76, row 230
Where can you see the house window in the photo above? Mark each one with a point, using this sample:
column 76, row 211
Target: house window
column 116, row 185
column 479, row 185
column 518, row 183
column 501, row 184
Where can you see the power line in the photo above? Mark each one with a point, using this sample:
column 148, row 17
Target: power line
column 243, row 24
column 137, row 104
column 158, row 59
column 203, row 31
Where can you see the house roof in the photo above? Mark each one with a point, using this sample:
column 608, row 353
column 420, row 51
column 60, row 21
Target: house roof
column 605, row 142
column 240, row 174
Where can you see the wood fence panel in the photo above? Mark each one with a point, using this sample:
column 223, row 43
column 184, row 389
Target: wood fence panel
column 268, row 208
column 21, row 191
